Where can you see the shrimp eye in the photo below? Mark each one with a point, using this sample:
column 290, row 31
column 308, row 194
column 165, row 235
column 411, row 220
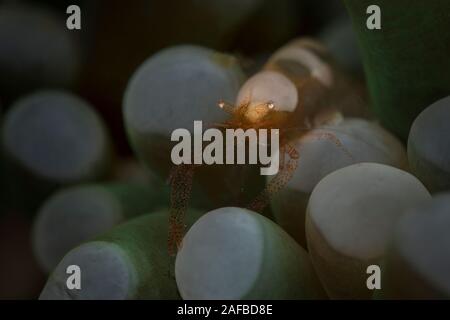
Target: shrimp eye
column 221, row 104
column 270, row 105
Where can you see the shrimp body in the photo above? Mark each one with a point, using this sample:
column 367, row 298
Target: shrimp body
column 287, row 95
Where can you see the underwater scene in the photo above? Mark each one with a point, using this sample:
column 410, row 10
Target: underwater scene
column 225, row 150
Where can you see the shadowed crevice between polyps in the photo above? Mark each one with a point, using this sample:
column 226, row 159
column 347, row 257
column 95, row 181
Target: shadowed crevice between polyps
column 236, row 146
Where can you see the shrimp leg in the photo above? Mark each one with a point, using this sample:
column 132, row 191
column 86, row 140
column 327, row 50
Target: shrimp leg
column 278, row 182
column 180, row 180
